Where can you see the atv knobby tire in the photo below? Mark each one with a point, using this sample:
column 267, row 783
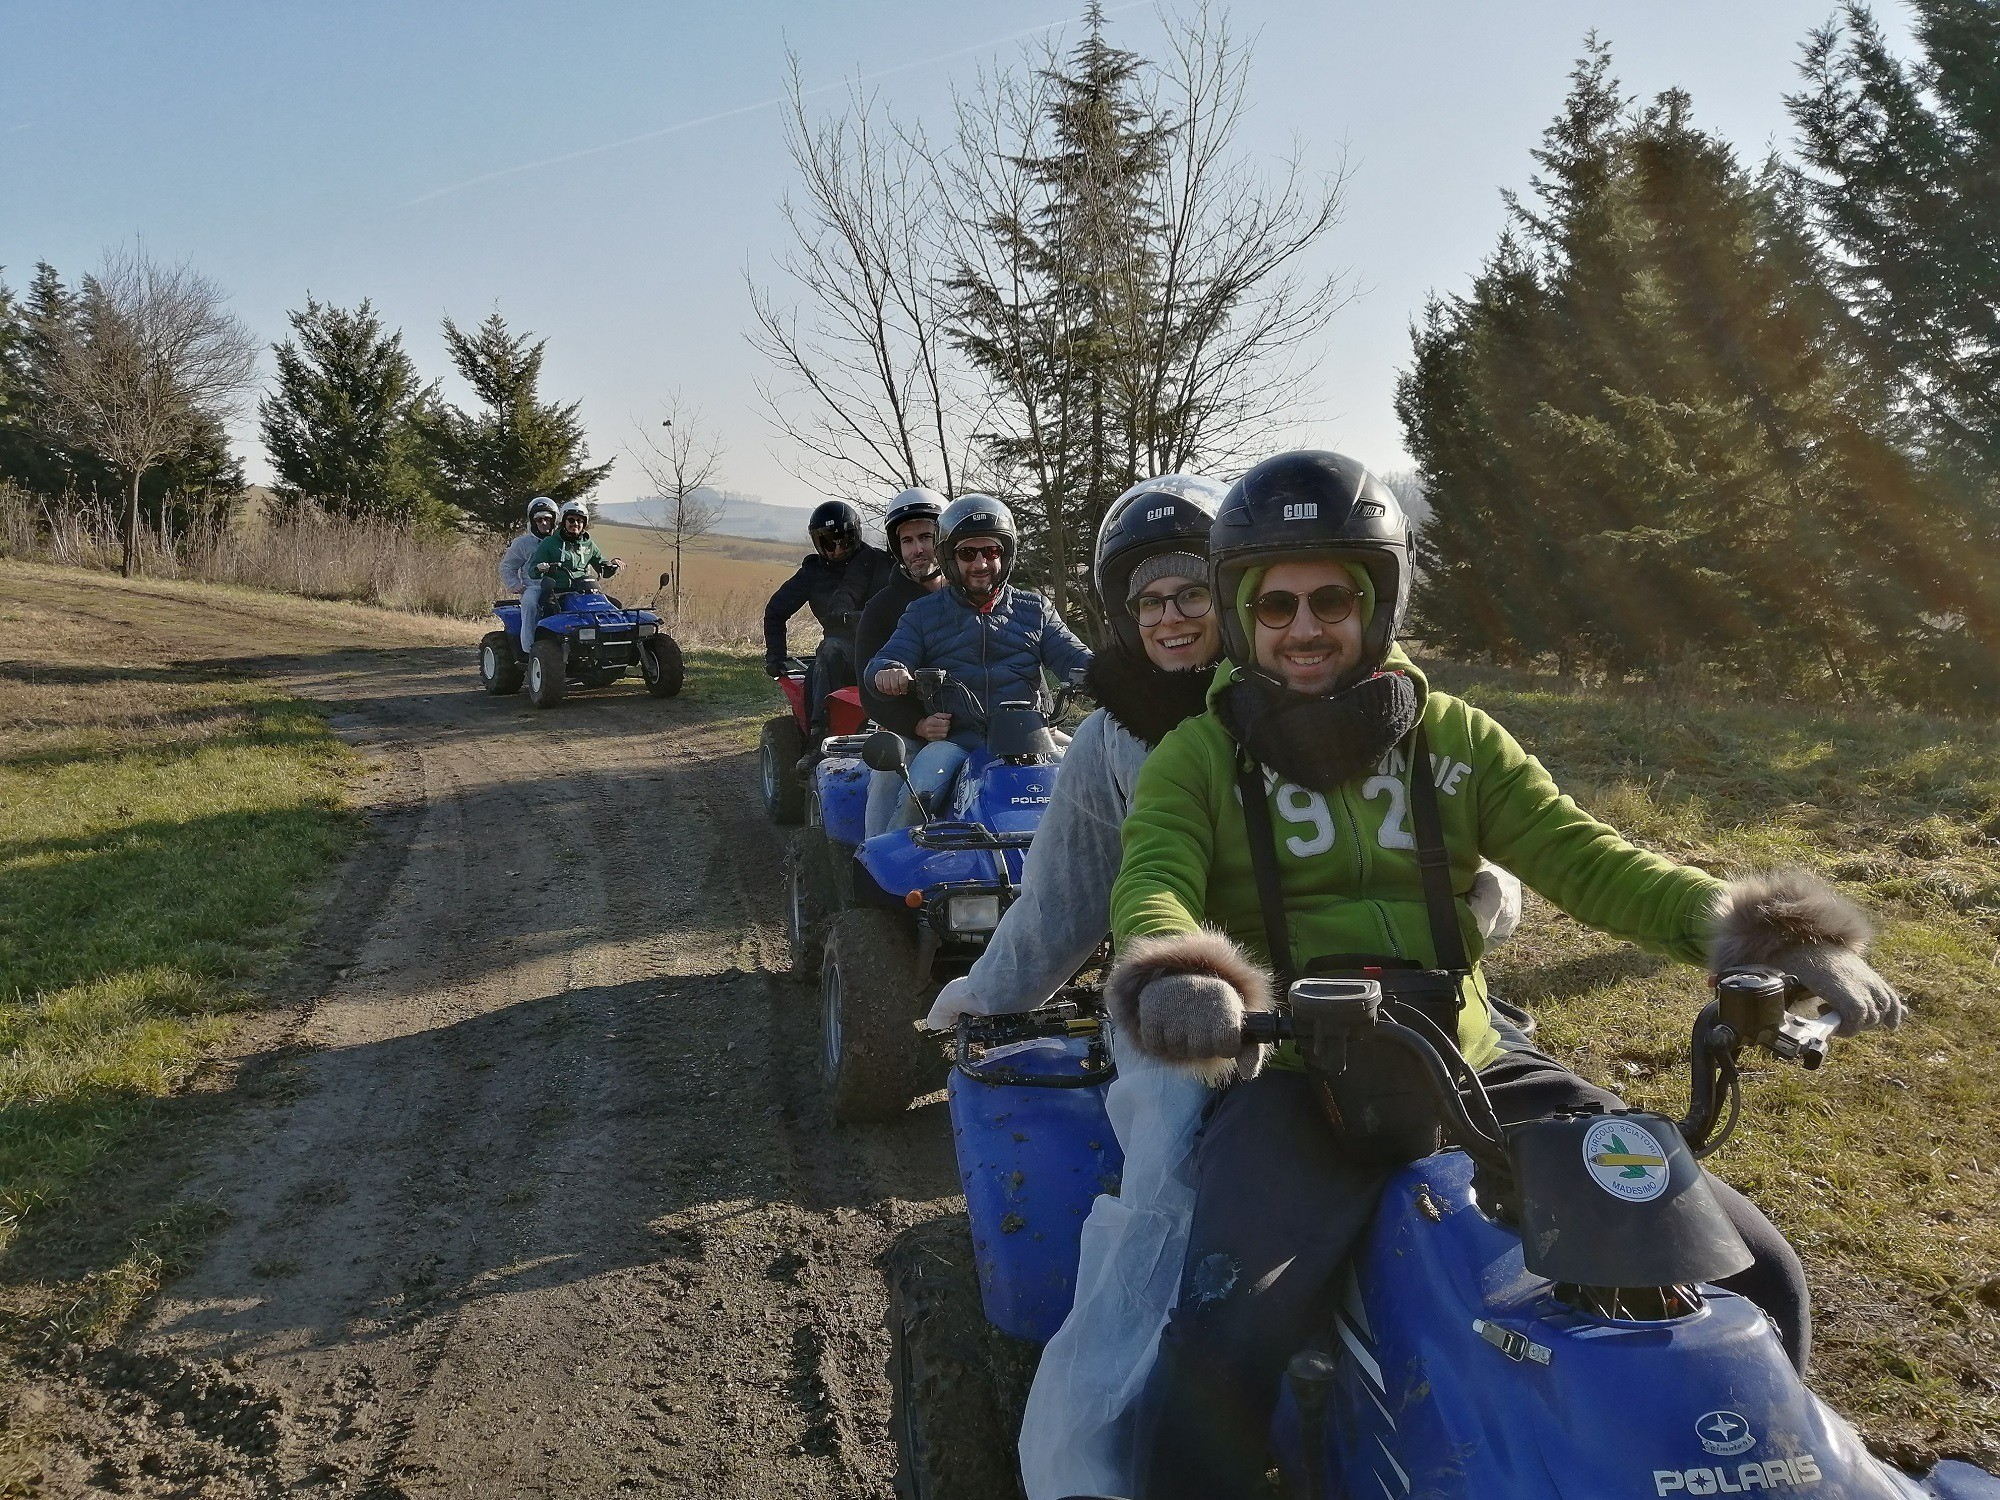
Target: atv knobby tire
column 778, row 753
column 957, row 1385
column 813, row 894
column 499, row 668
column 873, row 1060
column 661, row 665
column 545, row 673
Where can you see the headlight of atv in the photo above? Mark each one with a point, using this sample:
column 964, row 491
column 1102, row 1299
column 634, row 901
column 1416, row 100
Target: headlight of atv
column 588, row 633
column 973, row 913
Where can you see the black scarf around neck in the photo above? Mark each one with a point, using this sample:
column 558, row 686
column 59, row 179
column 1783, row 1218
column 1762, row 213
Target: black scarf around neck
column 1144, row 700
column 1319, row 743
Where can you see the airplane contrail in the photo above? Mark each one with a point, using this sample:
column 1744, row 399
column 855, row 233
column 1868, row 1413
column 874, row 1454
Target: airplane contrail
column 744, row 109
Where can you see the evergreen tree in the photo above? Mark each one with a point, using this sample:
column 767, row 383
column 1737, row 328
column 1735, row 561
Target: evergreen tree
column 1644, row 437
column 1904, row 181
column 338, row 425
column 492, row 462
column 199, row 483
column 1061, row 335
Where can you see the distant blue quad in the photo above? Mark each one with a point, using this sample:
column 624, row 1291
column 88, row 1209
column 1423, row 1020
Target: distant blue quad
column 589, row 640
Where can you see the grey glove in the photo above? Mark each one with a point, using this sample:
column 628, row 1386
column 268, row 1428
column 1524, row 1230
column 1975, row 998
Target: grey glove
column 1181, row 998
column 1847, row 985
column 1794, row 921
column 1190, row 1018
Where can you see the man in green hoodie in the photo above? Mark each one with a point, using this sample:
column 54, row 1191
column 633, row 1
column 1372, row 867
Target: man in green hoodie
column 565, row 559
column 1325, row 723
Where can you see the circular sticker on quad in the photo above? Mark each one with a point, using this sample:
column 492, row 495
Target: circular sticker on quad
column 1626, row 1160
column 1725, row 1433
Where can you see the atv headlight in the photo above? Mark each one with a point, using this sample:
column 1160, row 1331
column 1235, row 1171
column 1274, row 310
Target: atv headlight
column 973, row 913
column 588, row 633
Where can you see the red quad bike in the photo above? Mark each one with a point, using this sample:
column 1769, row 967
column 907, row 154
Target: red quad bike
column 784, row 740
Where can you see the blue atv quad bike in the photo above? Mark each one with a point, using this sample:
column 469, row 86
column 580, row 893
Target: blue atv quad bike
column 1528, row 1318
column 884, row 922
column 588, row 640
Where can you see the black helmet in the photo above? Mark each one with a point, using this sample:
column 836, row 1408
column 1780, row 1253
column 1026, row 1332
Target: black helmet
column 972, row 516
column 1311, row 501
column 911, row 505
column 1169, row 514
column 834, row 521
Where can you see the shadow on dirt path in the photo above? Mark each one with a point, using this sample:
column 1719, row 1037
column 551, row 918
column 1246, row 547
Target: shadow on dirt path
column 547, row 1207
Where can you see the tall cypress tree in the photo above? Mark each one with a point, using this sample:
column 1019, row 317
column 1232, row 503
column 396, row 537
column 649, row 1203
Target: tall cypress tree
column 491, row 462
column 338, row 424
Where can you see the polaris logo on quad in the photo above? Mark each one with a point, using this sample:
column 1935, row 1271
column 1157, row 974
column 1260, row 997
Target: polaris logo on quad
column 1027, row 801
column 1306, row 510
column 1797, row 1473
column 1725, row 1434
column 1626, row 1161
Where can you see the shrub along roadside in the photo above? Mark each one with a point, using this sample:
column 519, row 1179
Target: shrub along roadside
column 1882, row 1168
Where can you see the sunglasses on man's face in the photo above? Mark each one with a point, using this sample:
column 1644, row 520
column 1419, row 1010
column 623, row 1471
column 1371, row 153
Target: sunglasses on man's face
column 1331, row 603
column 977, row 554
column 1193, row 602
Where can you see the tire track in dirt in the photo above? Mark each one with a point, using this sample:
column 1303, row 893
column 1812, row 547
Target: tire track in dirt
column 555, row 1211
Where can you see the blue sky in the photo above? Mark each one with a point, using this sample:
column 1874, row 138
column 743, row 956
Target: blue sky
column 352, row 150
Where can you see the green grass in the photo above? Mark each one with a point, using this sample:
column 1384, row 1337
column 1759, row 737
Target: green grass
column 1884, row 1169
column 155, row 838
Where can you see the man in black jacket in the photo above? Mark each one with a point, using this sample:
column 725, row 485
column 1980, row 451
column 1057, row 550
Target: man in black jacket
column 841, row 576
column 911, row 525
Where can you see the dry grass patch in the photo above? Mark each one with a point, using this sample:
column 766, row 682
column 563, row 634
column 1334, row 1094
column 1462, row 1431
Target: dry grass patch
column 1884, row 1169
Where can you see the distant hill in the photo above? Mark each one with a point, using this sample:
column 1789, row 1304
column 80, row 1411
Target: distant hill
column 742, row 515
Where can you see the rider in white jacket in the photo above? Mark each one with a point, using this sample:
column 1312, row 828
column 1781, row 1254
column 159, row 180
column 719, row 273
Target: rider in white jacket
column 514, row 575
column 1151, row 574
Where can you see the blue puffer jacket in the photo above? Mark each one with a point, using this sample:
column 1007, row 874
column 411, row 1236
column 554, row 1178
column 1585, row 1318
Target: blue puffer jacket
column 993, row 657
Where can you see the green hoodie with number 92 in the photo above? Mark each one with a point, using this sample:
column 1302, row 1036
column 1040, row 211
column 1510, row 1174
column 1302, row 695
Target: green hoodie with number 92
column 1347, row 859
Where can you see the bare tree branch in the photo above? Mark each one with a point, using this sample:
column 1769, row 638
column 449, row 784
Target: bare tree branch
column 682, row 460
column 151, row 363
column 870, row 393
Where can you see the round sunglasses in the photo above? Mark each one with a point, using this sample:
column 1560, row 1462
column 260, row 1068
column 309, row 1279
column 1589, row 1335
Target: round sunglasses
column 1193, row 602
column 1330, row 603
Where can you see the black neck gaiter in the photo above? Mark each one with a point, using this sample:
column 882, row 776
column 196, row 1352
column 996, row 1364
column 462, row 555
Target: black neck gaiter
column 1319, row 743
column 1145, row 701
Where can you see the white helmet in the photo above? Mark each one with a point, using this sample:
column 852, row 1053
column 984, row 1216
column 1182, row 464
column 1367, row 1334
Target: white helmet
column 573, row 507
column 540, row 504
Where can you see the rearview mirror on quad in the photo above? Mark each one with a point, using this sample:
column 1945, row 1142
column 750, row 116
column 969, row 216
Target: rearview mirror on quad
column 883, row 751
column 665, row 579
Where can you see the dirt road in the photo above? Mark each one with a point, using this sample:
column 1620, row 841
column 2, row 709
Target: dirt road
column 546, row 1206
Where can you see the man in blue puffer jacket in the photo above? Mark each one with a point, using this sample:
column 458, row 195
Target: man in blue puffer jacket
column 994, row 640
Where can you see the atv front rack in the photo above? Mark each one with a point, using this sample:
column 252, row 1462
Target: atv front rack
column 1072, row 1013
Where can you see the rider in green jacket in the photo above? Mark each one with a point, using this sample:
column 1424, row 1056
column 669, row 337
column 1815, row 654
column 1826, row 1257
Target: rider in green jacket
column 1321, row 719
column 563, row 561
